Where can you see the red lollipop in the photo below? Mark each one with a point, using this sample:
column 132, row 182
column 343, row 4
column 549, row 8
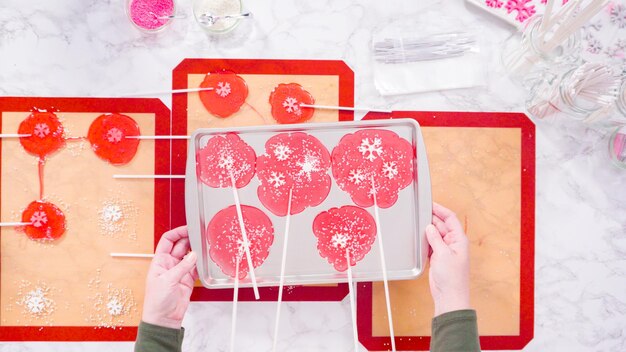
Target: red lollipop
column 46, row 133
column 368, row 153
column 225, row 155
column 227, row 243
column 107, row 135
column 347, row 228
column 286, row 99
column 47, row 221
column 295, row 161
column 228, row 95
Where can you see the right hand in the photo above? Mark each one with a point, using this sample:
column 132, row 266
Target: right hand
column 449, row 262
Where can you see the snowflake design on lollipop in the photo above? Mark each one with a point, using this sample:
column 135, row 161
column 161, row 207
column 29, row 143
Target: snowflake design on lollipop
column 223, row 89
column 310, row 164
column 115, row 307
column 41, row 130
column 226, row 162
column 356, row 176
column 114, row 135
column 291, row 105
column 371, row 150
column 390, row 169
column 282, row 152
column 39, row 218
column 276, row 179
column 339, row 240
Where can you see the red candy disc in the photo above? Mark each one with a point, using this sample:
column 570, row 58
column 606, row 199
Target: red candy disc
column 47, row 221
column 293, row 160
column 338, row 229
column 107, row 135
column 228, row 95
column 380, row 154
column 46, row 133
column 225, row 155
column 286, row 99
column 226, row 241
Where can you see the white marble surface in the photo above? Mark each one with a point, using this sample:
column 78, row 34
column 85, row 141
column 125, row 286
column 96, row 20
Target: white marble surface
column 88, row 48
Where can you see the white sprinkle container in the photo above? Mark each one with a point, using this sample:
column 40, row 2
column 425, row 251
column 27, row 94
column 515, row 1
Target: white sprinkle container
column 217, row 8
column 402, row 225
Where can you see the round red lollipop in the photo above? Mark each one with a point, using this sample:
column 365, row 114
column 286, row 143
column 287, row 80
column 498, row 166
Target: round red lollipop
column 47, row 221
column 107, row 135
column 368, row 153
column 293, row 160
column 228, row 95
column 338, row 229
column 46, row 133
column 226, row 241
column 286, row 99
column 225, row 155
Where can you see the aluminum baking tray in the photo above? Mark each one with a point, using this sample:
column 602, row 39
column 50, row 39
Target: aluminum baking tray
column 402, row 225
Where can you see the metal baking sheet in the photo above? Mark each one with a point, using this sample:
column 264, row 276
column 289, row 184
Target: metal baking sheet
column 402, row 225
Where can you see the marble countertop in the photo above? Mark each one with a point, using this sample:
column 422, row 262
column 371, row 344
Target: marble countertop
column 89, row 48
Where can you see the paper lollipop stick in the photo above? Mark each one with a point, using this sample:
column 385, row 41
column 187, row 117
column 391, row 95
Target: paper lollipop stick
column 383, row 265
column 246, row 242
column 355, row 332
column 233, row 325
column 282, row 271
column 12, row 224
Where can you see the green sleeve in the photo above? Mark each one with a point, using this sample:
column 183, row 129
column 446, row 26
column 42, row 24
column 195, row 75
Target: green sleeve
column 455, row 332
column 154, row 338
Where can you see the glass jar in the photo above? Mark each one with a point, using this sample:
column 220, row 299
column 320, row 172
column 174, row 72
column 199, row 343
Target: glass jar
column 617, row 147
column 525, row 54
column 217, row 8
column 150, row 16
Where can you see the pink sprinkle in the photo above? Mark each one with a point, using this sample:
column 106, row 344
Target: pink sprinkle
column 145, row 13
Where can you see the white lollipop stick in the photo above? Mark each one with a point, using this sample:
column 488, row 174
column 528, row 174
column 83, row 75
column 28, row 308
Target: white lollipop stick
column 13, row 135
column 157, row 137
column 246, row 243
column 282, row 271
column 233, row 325
column 355, row 332
column 384, row 266
column 164, row 92
column 11, row 224
column 132, row 255
column 348, row 108
column 147, row 176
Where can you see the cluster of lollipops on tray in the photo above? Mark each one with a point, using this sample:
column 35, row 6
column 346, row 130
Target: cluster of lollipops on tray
column 371, row 165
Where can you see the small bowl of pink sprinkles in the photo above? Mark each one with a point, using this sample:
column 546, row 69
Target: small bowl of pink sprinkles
column 150, row 15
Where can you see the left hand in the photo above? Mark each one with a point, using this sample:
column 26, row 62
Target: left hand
column 170, row 280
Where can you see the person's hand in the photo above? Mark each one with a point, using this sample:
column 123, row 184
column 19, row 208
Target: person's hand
column 449, row 262
column 170, row 280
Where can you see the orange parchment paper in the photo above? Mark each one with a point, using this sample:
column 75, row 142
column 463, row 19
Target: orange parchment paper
column 476, row 173
column 79, row 279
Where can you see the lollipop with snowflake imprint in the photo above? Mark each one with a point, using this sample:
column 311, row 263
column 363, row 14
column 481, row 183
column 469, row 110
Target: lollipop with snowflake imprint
column 286, row 101
column 230, row 233
column 344, row 236
column 373, row 166
column 293, row 175
column 228, row 161
column 229, row 93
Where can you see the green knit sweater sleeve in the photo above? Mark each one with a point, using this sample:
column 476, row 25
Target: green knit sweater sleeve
column 154, row 338
column 455, row 332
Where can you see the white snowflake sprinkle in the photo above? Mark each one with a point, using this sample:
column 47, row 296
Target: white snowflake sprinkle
column 226, row 162
column 309, row 165
column 111, row 213
column 223, row 89
column 39, row 218
column 114, row 135
column 36, row 302
column 356, row 177
column 390, row 169
column 292, row 105
column 282, row 152
column 41, row 130
column 115, row 307
column 370, row 149
column 276, row 179
column 339, row 240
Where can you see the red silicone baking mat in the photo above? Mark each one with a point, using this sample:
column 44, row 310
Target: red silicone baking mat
column 483, row 167
column 329, row 82
column 71, row 289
